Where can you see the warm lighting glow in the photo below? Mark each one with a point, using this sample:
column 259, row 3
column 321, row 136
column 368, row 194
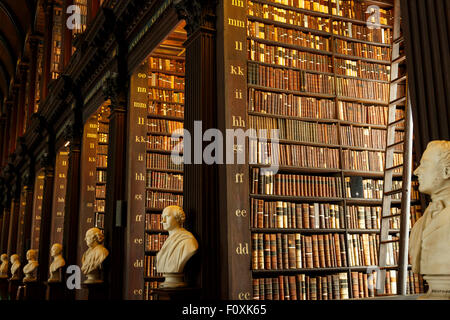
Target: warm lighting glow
column 67, row 144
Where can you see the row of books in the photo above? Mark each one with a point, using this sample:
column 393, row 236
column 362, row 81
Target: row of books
column 366, row 137
column 288, row 79
column 164, row 81
column 356, row 187
column 360, row 217
column 164, row 126
column 296, row 130
column 302, row 287
column 367, row 160
column 362, row 283
column 265, row 11
column 148, row 290
column 266, row 183
column 101, row 176
column 163, row 162
column 362, row 69
column 362, row 32
column 102, row 127
column 102, row 149
column 293, row 155
column 164, row 180
column 154, row 242
column 284, row 215
column 290, row 105
column 165, row 143
column 100, row 220
column 99, row 205
column 363, row 249
column 298, row 38
column 288, row 57
column 102, row 137
column 150, row 267
column 363, row 50
column 362, row 113
column 162, row 95
column 359, row 10
column 165, row 109
column 161, row 200
column 102, row 160
column 283, row 251
column 153, row 221
column 356, row 88
column 313, row 5
column 100, row 191
column 164, row 64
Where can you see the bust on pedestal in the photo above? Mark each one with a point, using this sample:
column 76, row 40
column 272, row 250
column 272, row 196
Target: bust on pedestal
column 94, row 256
column 4, row 266
column 430, row 237
column 179, row 247
column 57, row 264
column 15, row 267
column 30, row 269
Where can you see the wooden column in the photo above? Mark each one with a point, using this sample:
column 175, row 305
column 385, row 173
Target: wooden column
column 14, row 217
column 13, row 120
column 21, row 101
column 5, row 225
column 73, row 133
column 33, row 42
column 66, row 36
column 2, row 136
column 47, row 163
column 7, row 134
column 425, row 25
column 47, row 56
column 200, row 187
column 115, row 212
column 93, row 7
column 24, row 234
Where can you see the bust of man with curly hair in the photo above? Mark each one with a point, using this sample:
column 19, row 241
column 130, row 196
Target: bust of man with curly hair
column 94, row 256
column 179, row 247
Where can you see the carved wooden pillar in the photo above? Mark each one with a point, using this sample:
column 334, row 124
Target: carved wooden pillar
column 7, row 135
column 24, row 234
column 115, row 89
column 200, row 180
column 34, row 43
column 13, row 120
column 21, row 100
column 6, row 203
column 14, row 216
column 73, row 134
column 47, row 163
column 47, row 56
column 2, row 136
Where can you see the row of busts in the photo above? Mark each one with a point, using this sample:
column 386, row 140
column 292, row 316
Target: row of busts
column 91, row 261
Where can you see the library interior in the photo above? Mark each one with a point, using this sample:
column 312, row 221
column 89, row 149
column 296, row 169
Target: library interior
column 115, row 182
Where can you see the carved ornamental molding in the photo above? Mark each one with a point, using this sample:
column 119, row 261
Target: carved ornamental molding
column 197, row 14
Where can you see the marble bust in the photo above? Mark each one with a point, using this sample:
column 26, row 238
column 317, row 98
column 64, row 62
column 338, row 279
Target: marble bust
column 30, row 269
column 4, row 266
column 179, row 247
column 94, row 256
column 429, row 245
column 15, row 267
column 57, row 263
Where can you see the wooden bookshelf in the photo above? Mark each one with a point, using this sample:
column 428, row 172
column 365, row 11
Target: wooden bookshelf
column 156, row 181
column 370, row 112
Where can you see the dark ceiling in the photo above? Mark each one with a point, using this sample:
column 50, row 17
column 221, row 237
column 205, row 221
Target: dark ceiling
column 17, row 19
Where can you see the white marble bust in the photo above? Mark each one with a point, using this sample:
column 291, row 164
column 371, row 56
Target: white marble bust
column 57, row 263
column 429, row 245
column 4, row 266
column 94, row 256
column 30, row 269
column 179, row 247
column 15, row 267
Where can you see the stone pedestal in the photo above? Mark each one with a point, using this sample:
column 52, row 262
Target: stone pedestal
column 439, row 287
column 55, row 291
column 12, row 288
column 173, row 280
column 177, row 294
column 4, row 289
column 96, row 291
column 34, row 291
